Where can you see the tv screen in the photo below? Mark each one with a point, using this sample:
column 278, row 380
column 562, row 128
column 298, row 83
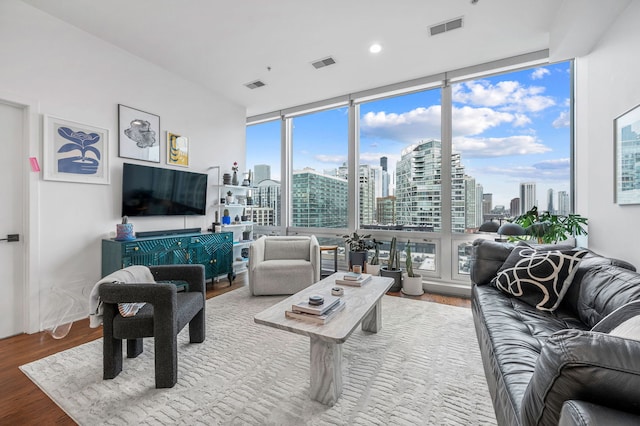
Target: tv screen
column 153, row 191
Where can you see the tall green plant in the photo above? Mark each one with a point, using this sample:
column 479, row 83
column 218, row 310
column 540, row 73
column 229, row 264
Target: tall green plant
column 551, row 228
column 394, row 258
column 409, row 261
column 375, row 260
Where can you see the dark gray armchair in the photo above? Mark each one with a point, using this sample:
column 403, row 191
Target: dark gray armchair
column 162, row 317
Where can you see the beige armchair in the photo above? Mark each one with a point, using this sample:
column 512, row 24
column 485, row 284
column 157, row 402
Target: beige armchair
column 283, row 264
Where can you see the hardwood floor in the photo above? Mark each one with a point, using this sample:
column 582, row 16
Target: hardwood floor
column 22, row 402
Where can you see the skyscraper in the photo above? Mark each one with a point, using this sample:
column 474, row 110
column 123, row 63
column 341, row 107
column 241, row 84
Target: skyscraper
column 473, row 210
column 514, row 207
column 487, row 203
column 261, row 172
column 564, row 204
column 383, row 163
column 319, row 200
column 419, row 191
column 527, row 196
column 550, row 208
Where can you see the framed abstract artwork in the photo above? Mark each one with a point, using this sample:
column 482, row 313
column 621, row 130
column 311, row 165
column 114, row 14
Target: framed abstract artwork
column 627, row 157
column 75, row 152
column 177, row 150
column 138, row 134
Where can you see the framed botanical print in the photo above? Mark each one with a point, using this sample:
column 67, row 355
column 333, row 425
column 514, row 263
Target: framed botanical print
column 75, row 152
column 138, row 134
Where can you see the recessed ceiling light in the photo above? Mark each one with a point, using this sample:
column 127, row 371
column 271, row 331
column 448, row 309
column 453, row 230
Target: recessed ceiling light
column 375, row 48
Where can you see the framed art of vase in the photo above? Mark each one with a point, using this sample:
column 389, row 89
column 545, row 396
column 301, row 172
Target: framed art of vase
column 177, row 150
column 627, row 157
column 75, row 152
column 138, row 134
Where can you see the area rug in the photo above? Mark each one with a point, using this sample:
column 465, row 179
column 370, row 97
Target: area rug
column 423, row 367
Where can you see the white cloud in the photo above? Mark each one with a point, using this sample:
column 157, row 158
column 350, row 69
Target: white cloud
column 498, row 147
column 539, row 73
column 473, row 121
column 554, row 164
column 505, row 95
column 408, row 127
column 563, row 120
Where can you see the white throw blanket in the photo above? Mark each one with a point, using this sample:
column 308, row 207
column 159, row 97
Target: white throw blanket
column 130, row 274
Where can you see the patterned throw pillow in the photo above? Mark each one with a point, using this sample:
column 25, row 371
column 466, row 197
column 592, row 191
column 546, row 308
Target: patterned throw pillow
column 623, row 322
column 539, row 278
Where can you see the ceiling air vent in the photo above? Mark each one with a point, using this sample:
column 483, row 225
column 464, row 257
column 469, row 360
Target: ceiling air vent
column 255, row 84
column 445, row 26
column 323, row 62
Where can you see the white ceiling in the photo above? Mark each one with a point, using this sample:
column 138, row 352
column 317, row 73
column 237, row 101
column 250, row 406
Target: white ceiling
column 223, row 45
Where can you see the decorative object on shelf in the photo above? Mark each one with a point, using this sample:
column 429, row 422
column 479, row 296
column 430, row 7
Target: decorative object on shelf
column 234, row 179
column 236, row 219
column 550, row 228
column 226, row 179
column 177, row 150
column 124, row 230
column 229, row 199
column 411, row 282
column 627, row 185
column 246, row 234
column 245, row 180
column 138, row 134
column 392, row 270
column 373, row 265
column 75, row 152
column 244, row 217
column 358, row 246
column 226, row 219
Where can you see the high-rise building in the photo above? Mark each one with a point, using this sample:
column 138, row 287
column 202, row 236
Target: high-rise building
column 527, row 196
column 564, row 203
column 318, row 201
column 479, row 195
column 514, row 207
column 383, row 163
column 550, row 208
column 266, row 201
column 367, row 194
column 261, row 172
column 418, row 188
column 473, row 210
column 487, row 204
column 386, row 210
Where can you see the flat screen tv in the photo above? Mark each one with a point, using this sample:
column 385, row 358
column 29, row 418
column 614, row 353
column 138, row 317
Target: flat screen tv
column 153, row 191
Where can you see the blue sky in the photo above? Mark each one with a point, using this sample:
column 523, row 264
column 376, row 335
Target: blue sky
column 509, row 129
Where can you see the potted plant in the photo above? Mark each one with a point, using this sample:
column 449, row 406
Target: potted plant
column 392, row 269
column 358, row 249
column 550, row 228
column 373, row 265
column 229, row 197
column 411, row 282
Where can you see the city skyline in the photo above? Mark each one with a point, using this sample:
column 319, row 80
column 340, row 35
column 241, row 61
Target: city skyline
column 509, row 129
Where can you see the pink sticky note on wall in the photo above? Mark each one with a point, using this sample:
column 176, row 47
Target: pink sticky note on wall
column 35, row 167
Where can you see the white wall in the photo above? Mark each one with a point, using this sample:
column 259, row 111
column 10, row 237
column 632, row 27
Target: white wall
column 73, row 75
column 608, row 84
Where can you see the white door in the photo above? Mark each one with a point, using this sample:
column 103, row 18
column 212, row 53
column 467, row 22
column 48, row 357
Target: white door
column 11, row 220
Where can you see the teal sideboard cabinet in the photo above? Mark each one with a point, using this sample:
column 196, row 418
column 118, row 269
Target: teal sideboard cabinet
column 214, row 251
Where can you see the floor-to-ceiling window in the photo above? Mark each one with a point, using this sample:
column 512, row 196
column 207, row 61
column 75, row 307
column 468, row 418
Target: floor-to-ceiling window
column 506, row 138
column 263, row 159
column 319, row 186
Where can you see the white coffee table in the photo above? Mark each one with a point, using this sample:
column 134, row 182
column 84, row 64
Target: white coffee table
column 362, row 306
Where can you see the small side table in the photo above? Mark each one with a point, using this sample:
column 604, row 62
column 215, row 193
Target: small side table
column 324, row 274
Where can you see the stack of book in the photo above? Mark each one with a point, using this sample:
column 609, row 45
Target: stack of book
column 353, row 279
column 319, row 314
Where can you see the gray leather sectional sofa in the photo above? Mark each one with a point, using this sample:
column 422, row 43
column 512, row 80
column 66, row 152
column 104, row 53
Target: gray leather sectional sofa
column 549, row 367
